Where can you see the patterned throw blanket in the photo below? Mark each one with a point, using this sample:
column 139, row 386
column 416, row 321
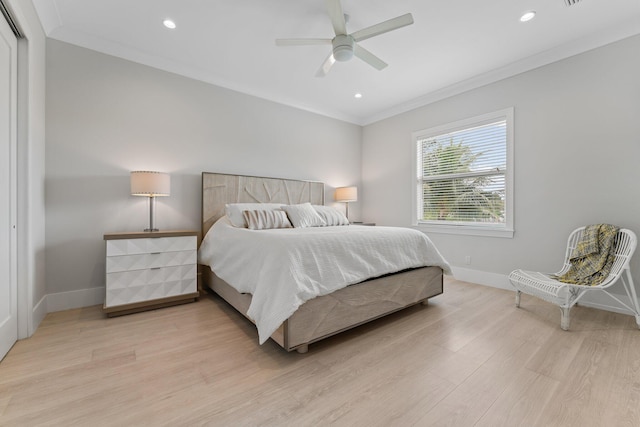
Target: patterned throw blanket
column 593, row 256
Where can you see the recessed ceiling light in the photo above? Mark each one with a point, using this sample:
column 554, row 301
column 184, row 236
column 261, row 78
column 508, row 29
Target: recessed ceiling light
column 169, row 23
column 528, row 16
column 358, row 95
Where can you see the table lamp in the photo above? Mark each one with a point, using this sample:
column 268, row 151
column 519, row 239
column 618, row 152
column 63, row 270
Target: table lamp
column 151, row 185
column 346, row 195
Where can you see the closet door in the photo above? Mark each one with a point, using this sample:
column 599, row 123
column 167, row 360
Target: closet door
column 8, row 188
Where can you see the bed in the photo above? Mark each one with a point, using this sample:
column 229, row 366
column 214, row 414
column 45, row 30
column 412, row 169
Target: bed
column 324, row 315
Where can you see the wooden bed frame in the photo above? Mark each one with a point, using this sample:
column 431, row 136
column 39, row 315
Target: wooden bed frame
column 323, row 316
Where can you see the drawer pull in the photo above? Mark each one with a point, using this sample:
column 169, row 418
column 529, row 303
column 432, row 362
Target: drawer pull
column 156, row 253
column 155, row 268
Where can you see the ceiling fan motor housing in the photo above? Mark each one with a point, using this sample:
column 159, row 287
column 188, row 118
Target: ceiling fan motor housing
column 343, row 47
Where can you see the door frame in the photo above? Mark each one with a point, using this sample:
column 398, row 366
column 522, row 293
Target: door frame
column 29, row 173
column 13, row 187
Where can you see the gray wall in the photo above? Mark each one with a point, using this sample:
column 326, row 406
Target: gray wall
column 577, row 149
column 107, row 116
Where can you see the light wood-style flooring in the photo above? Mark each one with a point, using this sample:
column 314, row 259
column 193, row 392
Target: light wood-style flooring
column 470, row 358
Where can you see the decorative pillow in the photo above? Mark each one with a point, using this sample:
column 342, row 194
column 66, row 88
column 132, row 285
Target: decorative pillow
column 331, row 216
column 263, row 220
column 303, row 216
column 234, row 211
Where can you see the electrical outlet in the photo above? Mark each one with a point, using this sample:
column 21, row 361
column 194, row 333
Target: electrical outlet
column 467, row 260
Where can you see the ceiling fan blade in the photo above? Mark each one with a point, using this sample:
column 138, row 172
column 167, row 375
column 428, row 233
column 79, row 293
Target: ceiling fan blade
column 326, row 66
column 301, row 42
column 383, row 27
column 369, row 57
column 337, row 17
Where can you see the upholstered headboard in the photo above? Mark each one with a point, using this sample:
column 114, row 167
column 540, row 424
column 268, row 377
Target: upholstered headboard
column 218, row 189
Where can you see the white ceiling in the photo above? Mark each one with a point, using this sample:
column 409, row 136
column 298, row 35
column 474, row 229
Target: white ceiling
column 452, row 46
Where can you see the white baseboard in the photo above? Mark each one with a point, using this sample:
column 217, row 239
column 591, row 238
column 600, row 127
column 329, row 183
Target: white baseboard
column 93, row 296
column 38, row 314
column 75, row 299
column 597, row 300
column 493, row 280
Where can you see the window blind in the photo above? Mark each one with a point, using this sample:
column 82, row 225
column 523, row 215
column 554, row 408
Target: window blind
column 461, row 175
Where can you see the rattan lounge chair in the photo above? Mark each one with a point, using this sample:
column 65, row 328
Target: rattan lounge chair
column 564, row 295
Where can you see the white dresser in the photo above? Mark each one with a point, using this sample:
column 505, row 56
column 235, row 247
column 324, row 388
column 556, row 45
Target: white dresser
column 148, row 270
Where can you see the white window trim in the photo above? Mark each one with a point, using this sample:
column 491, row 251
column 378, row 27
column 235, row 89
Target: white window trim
column 505, row 230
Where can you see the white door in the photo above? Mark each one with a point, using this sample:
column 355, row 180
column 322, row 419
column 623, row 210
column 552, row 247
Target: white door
column 8, row 188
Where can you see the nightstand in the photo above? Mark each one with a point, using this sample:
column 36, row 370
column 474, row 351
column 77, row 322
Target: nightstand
column 149, row 270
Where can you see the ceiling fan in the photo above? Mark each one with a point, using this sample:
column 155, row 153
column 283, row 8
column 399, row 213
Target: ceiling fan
column 345, row 46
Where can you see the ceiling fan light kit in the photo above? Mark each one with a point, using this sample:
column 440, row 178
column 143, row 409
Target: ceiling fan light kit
column 345, row 46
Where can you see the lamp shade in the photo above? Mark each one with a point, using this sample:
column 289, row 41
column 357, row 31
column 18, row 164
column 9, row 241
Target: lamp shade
column 346, row 194
column 150, row 184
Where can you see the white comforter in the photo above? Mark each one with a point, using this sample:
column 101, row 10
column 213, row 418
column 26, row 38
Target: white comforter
column 283, row 268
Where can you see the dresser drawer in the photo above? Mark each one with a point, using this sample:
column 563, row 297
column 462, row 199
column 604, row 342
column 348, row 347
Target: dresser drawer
column 150, row 245
column 150, row 260
column 128, row 287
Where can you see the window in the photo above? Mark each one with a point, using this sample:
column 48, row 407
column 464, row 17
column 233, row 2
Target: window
column 464, row 179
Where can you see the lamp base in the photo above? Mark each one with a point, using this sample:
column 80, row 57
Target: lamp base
column 152, row 209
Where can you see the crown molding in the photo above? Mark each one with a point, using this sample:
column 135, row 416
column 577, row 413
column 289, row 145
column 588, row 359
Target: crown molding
column 550, row 56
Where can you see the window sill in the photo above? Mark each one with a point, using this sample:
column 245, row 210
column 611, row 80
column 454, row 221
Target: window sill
column 465, row 230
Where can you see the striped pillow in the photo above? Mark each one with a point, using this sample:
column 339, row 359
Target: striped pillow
column 234, row 211
column 263, row 220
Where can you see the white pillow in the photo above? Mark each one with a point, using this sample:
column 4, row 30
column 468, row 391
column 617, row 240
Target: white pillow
column 234, row 211
column 331, row 216
column 303, row 216
column 264, row 220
